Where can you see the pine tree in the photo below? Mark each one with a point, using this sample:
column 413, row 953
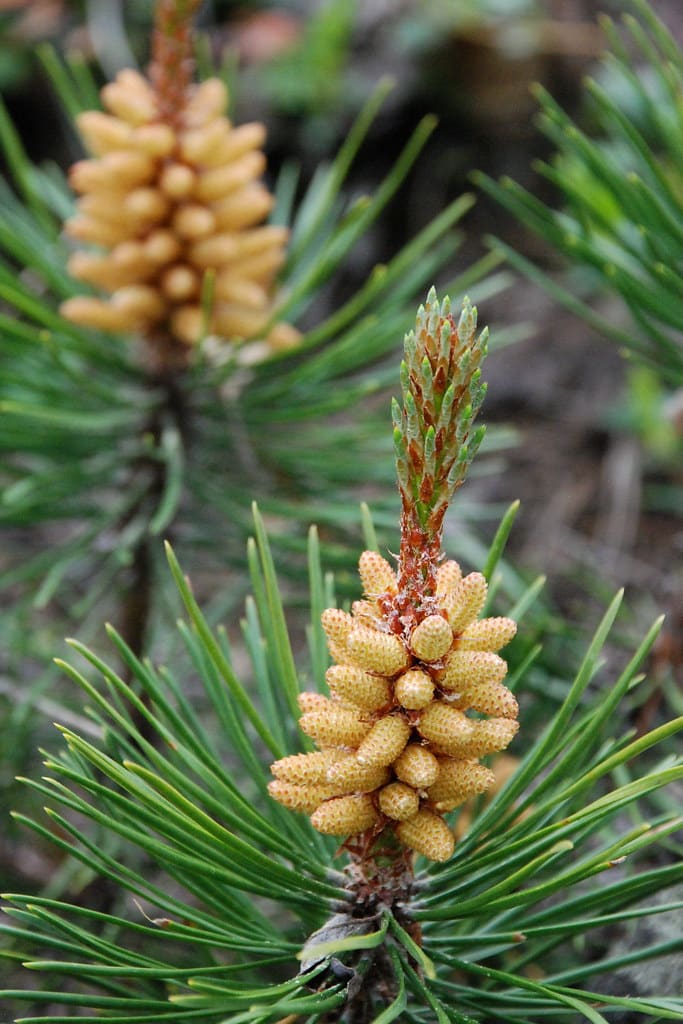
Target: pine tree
column 230, row 889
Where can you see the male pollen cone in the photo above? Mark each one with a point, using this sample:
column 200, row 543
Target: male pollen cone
column 164, row 201
column 398, row 750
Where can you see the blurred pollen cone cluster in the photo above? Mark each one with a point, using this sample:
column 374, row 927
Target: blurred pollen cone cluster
column 164, row 200
column 397, row 746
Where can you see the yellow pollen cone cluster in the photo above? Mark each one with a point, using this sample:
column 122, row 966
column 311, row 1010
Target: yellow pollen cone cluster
column 163, row 204
column 398, row 747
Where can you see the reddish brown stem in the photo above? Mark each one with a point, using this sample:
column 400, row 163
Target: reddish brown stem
column 418, row 560
column 171, row 69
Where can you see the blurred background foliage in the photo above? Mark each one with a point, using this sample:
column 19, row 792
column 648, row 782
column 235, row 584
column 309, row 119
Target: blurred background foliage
column 606, row 205
column 620, row 182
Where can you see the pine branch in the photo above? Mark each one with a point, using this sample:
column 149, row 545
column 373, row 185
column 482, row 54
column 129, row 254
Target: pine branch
column 527, row 876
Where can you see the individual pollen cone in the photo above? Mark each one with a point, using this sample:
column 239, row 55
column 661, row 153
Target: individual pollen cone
column 448, row 575
column 442, row 724
column 345, row 815
column 412, row 659
column 431, row 639
column 417, row 766
column 457, row 781
column 385, row 741
column 335, row 726
column 464, row 669
column 337, row 625
column 399, row 801
column 487, row 635
column 490, row 699
column 488, row 737
column 450, row 732
column 428, row 834
column 378, row 652
column 178, row 168
column 353, row 686
column 376, row 575
column 349, row 776
column 464, row 603
column 414, row 689
column 300, row 797
column 476, row 676
column 305, row 769
column 312, row 702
